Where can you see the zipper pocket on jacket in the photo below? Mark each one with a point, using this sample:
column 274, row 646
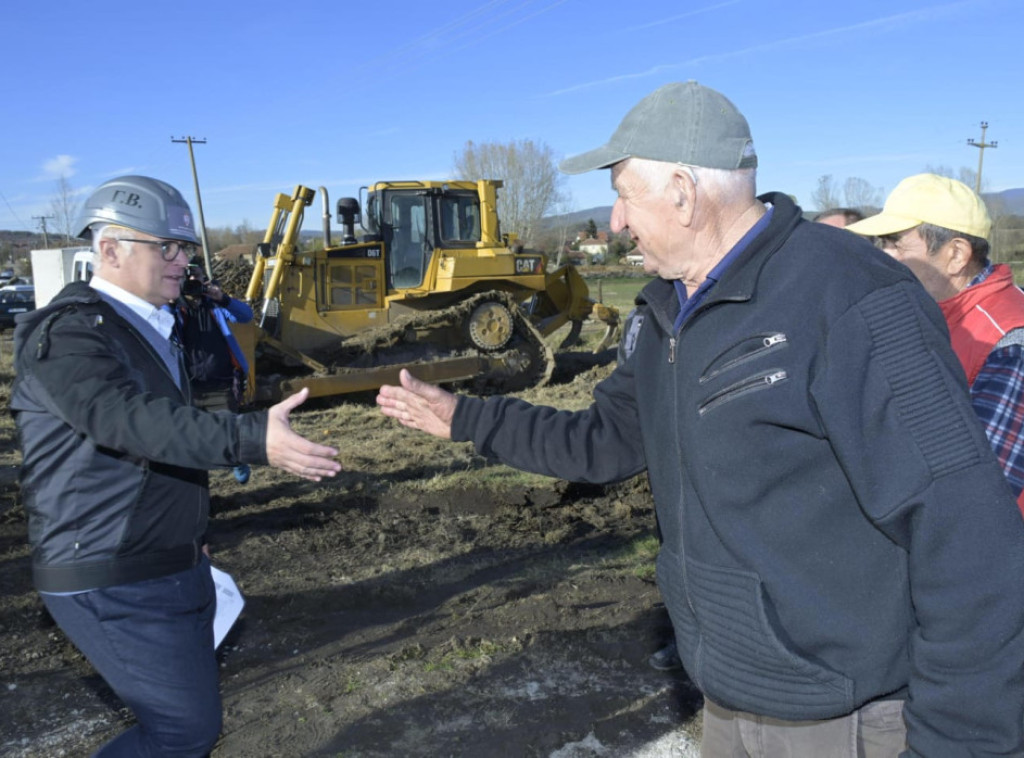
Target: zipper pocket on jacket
column 761, row 381
column 768, row 343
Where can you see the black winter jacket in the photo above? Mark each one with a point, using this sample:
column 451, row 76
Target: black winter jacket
column 835, row 527
column 114, row 459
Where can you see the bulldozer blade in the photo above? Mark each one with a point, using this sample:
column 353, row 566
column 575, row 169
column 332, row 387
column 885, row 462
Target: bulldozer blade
column 609, row 316
column 611, row 336
column 573, row 336
column 361, row 380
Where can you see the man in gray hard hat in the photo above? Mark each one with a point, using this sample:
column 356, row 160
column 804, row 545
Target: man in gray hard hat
column 841, row 555
column 114, row 469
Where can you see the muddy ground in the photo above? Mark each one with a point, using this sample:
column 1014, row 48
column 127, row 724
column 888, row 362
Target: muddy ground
column 423, row 603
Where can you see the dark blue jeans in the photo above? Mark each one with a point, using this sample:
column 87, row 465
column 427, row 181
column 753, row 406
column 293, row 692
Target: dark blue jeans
column 152, row 642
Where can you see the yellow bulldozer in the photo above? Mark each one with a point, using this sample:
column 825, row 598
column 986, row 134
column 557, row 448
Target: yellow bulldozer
column 432, row 286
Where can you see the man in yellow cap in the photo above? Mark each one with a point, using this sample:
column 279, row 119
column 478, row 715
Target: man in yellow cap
column 939, row 228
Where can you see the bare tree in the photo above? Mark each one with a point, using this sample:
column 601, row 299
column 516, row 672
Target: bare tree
column 562, row 208
column 532, row 184
column 826, row 195
column 941, row 170
column 970, row 177
column 860, row 193
column 248, row 234
column 64, row 207
column 964, row 174
column 620, row 245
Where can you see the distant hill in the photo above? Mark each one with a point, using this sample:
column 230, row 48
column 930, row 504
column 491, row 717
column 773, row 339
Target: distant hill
column 15, row 245
column 1008, row 202
column 602, row 216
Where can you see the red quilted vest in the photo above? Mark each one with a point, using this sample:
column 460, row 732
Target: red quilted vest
column 979, row 316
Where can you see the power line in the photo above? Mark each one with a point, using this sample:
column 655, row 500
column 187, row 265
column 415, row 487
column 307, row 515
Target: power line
column 16, row 218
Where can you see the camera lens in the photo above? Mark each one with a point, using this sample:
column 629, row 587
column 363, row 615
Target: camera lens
column 191, row 287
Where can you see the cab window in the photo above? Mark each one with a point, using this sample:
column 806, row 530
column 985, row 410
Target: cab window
column 460, row 218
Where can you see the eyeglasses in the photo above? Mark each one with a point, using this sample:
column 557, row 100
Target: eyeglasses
column 168, row 249
column 898, row 241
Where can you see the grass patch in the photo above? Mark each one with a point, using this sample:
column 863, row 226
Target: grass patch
column 10, row 454
column 639, row 557
column 470, row 650
column 497, row 478
column 445, row 664
column 617, row 291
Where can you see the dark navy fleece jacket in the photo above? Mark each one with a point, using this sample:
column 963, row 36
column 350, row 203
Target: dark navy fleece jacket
column 835, row 527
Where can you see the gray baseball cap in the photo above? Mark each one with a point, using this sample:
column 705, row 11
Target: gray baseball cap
column 682, row 122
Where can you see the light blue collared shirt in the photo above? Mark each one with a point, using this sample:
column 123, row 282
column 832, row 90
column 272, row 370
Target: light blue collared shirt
column 158, row 318
column 155, row 324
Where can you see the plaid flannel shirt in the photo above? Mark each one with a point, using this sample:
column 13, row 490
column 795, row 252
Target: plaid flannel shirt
column 998, row 399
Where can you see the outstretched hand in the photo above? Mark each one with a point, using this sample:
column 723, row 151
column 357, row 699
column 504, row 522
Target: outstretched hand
column 292, row 452
column 419, row 405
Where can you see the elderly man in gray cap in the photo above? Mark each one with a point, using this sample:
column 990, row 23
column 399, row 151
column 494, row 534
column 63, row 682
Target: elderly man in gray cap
column 841, row 555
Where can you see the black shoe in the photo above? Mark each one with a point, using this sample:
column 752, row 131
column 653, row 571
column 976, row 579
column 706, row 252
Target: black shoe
column 665, row 659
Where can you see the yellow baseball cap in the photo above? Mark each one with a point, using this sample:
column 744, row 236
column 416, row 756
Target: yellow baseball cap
column 928, row 199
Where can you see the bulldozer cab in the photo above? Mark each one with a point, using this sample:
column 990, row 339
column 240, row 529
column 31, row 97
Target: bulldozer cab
column 414, row 223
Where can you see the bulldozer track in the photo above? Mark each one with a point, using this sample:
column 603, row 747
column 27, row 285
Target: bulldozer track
column 413, row 339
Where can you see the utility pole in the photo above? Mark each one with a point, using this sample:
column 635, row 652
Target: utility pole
column 42, row 225
column 199, row 200
column 981, row 153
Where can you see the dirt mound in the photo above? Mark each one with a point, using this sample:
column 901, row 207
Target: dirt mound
column 233, row 275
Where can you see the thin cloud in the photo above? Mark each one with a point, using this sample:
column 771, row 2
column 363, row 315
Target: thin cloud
column 288, row 186
column 285, row 186
column 252, row 187
column 487, row 30
column 465, row 31
column 670, row 19
column 894, row 21
column 61, row 165
column 433, row 38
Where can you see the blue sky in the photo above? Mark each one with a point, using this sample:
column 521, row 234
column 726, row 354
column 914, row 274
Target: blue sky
column 341, row 94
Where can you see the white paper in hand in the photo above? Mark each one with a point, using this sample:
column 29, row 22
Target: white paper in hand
column 229, row 605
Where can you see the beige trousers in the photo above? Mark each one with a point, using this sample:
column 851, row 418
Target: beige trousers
column 874, row 731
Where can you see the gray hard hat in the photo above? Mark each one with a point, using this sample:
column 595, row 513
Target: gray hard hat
column 141, row 203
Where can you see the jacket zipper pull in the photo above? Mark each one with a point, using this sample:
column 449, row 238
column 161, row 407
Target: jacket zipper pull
column 671, row 349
